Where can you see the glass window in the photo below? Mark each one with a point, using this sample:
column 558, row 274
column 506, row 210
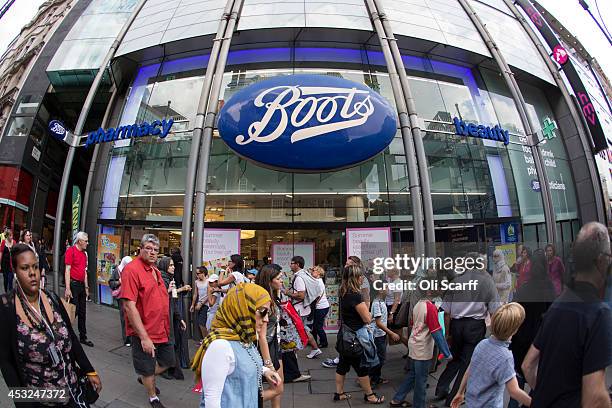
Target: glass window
column 20, row 126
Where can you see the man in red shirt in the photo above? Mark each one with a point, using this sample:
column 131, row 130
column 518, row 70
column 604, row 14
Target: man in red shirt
column 147, row 318
column 77, row 289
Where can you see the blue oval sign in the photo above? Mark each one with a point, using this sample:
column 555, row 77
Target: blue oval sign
column 57, row 129
column 307, row 123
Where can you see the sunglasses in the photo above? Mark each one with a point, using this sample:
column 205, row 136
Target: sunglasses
column 263, row 312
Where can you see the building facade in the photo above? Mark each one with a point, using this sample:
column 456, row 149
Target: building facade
column 480, row 190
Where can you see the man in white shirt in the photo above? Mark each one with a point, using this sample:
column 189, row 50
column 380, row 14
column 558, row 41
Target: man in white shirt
column 298, row 293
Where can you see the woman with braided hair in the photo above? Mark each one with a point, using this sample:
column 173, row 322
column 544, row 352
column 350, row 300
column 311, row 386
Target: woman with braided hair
column 228, row 355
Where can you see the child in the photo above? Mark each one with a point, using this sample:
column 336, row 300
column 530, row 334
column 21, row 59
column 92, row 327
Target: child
column 421, row 346
column 493, row 365
column 379, row 325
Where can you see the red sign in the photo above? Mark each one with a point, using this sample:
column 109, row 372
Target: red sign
column 560, row 55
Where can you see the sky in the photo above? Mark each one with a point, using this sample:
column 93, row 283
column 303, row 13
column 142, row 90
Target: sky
column 569, row 12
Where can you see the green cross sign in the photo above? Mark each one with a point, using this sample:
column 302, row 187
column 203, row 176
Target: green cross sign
column 548, row 130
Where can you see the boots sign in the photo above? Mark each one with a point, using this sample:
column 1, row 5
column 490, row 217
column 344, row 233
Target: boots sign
column 307, row 123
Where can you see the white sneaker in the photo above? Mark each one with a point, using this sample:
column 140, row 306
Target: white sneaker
column 314, row 353
column 303, row 377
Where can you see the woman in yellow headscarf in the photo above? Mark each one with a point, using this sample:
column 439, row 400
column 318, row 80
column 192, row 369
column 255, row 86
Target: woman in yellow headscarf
column 228, row 362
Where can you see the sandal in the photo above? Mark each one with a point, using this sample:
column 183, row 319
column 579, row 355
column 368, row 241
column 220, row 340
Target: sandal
column 378, row 400
column 338, row 397
column 400, row 404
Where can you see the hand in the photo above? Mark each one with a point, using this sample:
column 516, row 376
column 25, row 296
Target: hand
column 192, row 309
column 67, row 294
column 171, row 286
column 273, row 378
column 94, row 380
column 185, row 288
column 457, row 401
column 87, row 291
column 198, row 307
column 183, row 325
column 148, row 347
column 395, row 337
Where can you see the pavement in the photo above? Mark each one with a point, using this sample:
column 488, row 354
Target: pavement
column 113, row 361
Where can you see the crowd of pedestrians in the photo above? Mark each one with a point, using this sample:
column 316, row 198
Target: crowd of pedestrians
column 530, row 330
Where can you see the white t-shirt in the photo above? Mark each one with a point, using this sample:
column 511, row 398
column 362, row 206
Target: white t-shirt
column 323, row 302
column 300, row 286
column 390, row 299
column 379, row 309
column 218, row 362
column 239, row 278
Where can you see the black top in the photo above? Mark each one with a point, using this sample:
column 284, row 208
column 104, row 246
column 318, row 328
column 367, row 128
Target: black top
column 575, row 340
column 11, row 367
column 349, row 315
column 6, row 258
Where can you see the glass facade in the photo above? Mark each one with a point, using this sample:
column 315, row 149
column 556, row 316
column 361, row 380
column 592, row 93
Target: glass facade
column 473, row 181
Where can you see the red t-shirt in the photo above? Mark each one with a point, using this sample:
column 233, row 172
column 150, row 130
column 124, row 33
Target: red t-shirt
column 78, row 263
column 432, row 317
column 151, row 297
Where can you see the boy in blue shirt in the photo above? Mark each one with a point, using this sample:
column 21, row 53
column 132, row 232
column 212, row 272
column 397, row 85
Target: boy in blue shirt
column 492, row 364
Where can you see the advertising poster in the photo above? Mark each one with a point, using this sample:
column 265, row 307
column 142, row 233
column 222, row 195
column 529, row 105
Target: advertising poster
column 109, row 255
column 220, row 243
column 282, row 252
column 76, row 211
column 368, row 243
column 331, row 321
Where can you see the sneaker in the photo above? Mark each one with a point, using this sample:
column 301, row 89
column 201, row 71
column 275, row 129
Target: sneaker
column 156, row 403
column 314, row 353
column 86, row 342
column 127, row 344
column 329, row 363
column 303, row 377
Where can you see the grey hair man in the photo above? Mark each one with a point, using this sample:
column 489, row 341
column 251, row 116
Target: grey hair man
column 566, row 364
column 146, row 306
column 77, row 287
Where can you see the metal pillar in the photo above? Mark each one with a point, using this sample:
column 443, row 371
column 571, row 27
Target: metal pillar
column 584, row 137
column 94, row 160
column 59, row 215
column 405, row 128
column 211, row 113
column 192, row 163
column 417, row 136
column 519, row 101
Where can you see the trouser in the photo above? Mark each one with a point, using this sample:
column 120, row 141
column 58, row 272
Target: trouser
column 466, row 333
column 417, row 379
column 8, row 281
column 381, row 351
column 291, row 370
column 319, row 321
column 79, row 298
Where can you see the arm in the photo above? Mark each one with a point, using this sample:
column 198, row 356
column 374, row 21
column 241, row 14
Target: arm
column 364, row 313
column 136, row 323
column 594, row 392
column 67, row 291
column 460, row 396
column 264, row 349
column 217, row 364
column 226, row 281
column 365, row 295
column 396, row 301
column 384, row 328
column 530, row 366
column 212, row 297
column 194, row 299
column 517, row 393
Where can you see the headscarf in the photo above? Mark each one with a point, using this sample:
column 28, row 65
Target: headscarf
column 501, row 262
column 234, row 320
column 124, row 261
column 163, row 265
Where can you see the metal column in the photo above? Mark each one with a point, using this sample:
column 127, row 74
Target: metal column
column 417, row 136
column 209, row 122
column 405, row 128
column 584, row 137
column 192, row 163
column 59, row 215
column 519, row 101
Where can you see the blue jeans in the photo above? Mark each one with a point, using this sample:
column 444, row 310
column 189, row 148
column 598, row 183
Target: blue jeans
column 417, row 379
column 521, row 383
column 381, row 350
column 441, row 343
column 317, row 327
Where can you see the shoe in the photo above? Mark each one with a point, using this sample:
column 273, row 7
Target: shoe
column 127, row 344
column 314, row 353
column 323, row 346
column 156, row 403
column 301, row 378
column 87, row 342
column 167, row 375
column 329, row 363
column 157, row 391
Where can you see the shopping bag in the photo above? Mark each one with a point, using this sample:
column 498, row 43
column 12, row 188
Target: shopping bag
column 70, row 309
column 292, row 334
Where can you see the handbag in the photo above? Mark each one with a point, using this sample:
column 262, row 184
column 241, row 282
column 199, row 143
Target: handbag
column 70, row 309
column 347, row 343
column 292, row 333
